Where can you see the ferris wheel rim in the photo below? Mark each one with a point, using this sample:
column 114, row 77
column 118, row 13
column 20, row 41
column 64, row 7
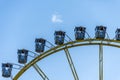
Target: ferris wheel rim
column 105, row 42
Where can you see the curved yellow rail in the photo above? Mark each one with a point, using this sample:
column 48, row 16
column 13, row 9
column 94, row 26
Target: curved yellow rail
column 86, row 42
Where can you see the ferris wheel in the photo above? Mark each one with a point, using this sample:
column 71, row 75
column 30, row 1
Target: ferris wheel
column 63, row 43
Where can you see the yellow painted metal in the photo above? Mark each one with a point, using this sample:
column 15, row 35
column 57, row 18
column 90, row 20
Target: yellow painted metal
column 41, row 73
column 100, row 62
column 71, row 64
column 86, row 42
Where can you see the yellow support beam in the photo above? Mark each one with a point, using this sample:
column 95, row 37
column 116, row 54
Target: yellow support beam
column 100, row 62
column 41, row 73
column 71, row 64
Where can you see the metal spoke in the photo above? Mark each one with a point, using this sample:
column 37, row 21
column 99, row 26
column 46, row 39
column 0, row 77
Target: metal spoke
column 100, row 62
column 41, row 73
column 71, row 64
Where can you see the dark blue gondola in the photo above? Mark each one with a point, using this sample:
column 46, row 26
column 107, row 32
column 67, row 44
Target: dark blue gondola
column 117, row 36
column 59, row 37
column 6, row 69
column 79, row 33
column 100, row 32
column 22, row 56
column 40, row 45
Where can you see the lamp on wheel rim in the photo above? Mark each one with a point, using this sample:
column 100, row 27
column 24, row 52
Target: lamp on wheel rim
column 59, row 37
column 100, row 32
column 40, row 45
column 6, row 69
column 22, row 56
column 79, row 33
column 117, row 36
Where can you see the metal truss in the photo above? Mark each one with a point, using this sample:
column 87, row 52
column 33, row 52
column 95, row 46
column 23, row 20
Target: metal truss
column 65, row 47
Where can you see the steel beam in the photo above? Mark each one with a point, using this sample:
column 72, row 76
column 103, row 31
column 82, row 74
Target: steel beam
column 71, row 64
column 100, row 62
column 41, row 73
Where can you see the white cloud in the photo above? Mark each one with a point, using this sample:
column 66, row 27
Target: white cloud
column 56, row 18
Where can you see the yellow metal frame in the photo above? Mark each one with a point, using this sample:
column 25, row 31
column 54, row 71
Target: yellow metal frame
column 71, row 64
column 100, row 62
column 86, row 42
column 40, row 72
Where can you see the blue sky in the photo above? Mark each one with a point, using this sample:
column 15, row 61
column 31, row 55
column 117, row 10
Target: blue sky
column 21, row 21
